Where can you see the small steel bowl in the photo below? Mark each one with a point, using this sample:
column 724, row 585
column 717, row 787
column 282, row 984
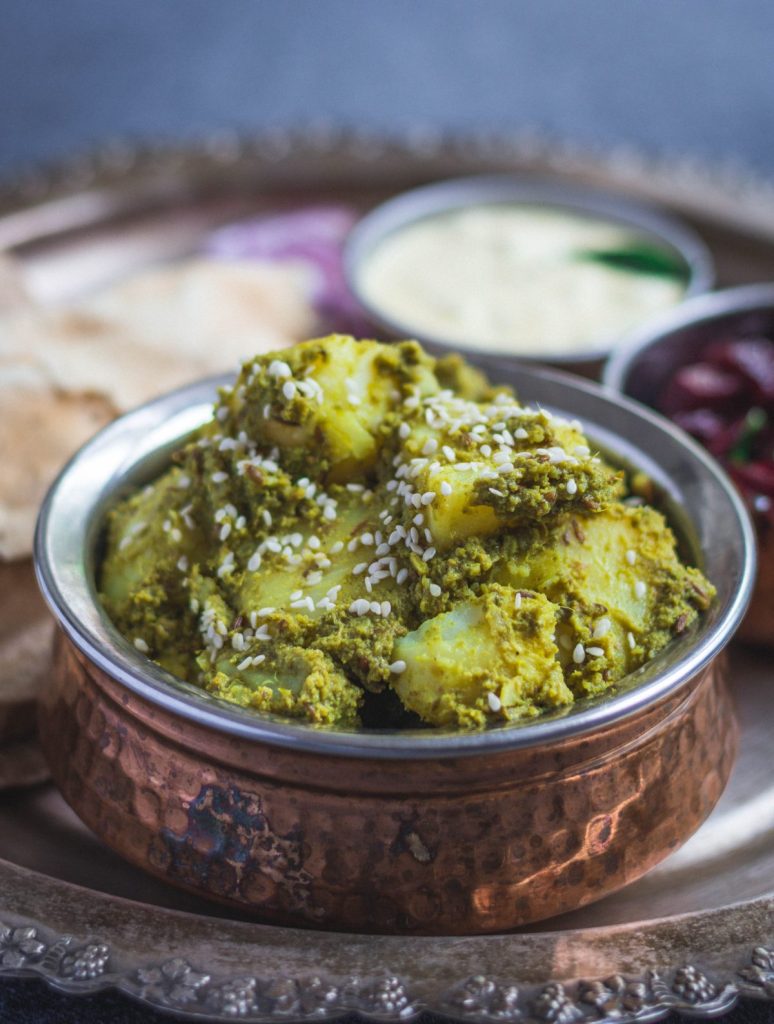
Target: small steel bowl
column 458, row 193
column 644, row 364
column 425, row 832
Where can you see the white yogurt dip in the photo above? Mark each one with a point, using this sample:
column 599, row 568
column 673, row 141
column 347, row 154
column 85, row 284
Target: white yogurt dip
column 516, row 278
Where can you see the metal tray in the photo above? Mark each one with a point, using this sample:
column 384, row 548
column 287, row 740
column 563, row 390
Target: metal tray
column 693, row 935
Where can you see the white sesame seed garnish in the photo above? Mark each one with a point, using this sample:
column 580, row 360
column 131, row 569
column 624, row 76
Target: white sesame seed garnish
column 631, row 556
column 225, row 530
column 449, row 453
column 397, row 667
column 595, row 652
column 289, row 390
column 244, row 663
column 266, row 516
column 238, row 642
column 631, row 641
column 329, row 512
column 295, row 595
column 428, row 497
column 505, row 467
column 517, row 600
column 428, row 554
column 360, row 567
column 278, row 368
column 404, row 430
column 401, row 577
column 601, row 628
column 254, row 564
column 337, row 547
column 375, row 607
column 494, row 701
column 521, row 434
column 572, row 487
column 140, row 644
column 182, row 564
column 640, row 589
column 435, row 590
column 582, row 450
column 579, row 654
column 219, row 477
column 446, row 488
column 430, row 446
column 386, row 608
column 263, row 612
column 497, row 494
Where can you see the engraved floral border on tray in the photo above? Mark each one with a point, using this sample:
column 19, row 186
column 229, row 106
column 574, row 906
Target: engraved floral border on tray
column 700, row 980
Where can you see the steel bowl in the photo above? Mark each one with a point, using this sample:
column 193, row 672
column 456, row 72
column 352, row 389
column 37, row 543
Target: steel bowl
column 445, row 196
column 429, row 832
column 644, row 364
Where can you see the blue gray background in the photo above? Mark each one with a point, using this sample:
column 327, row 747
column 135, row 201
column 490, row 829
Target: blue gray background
column 693, row 77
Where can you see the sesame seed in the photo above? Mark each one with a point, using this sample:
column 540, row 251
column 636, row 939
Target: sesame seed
column 601, row 628
column 386, row 609
column 266, row 516
column 595, row 652
column 219, row 477
column 486, row 450
column 435, row 590
column 505, row 467
column 295, row 595
column 401, row 577
column 640, row 589
column 572, row 487
column 428, row 497
column 428, row 554
column 289, row 390
column 262, row 612
column 278, row 368
column 631, row 641
column 337, row 547
column 245, row 663
column 225, row 530
column 404, row 430
column 579, row 654
column 360, row 567
column 329, row 513
column 238, row 642
column 430, row 446
column 498, row 494
column 383, row 549
column 446, row 488
column 631, row 556
column 397, row 667
column 182, row 564
column 254, row 563
column 521, row 434
column 517, row 600
column 376, row 608
column 140, row 644
column 494, row 701
column 449, row 453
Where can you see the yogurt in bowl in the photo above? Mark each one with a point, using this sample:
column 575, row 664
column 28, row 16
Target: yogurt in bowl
column 497, row 265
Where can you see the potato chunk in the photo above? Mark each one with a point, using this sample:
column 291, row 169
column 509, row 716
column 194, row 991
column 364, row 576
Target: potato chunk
column 324, row 401
column 490, row 657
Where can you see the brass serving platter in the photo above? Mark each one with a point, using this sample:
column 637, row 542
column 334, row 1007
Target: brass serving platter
column 694, row 935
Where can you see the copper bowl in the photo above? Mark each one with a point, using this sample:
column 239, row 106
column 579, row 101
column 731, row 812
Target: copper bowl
column 646, row 361
column 424, row 832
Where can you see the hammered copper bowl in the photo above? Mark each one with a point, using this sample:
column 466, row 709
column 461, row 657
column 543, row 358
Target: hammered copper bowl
column 423, row 832
column 644, row 364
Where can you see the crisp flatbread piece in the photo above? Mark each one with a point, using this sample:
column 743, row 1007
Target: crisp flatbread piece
column 64, row 373
column 40, row 427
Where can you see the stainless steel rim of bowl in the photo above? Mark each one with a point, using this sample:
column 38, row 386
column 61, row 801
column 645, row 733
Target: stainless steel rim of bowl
column 701, row 310
column 135, row 447
column 429, row 200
